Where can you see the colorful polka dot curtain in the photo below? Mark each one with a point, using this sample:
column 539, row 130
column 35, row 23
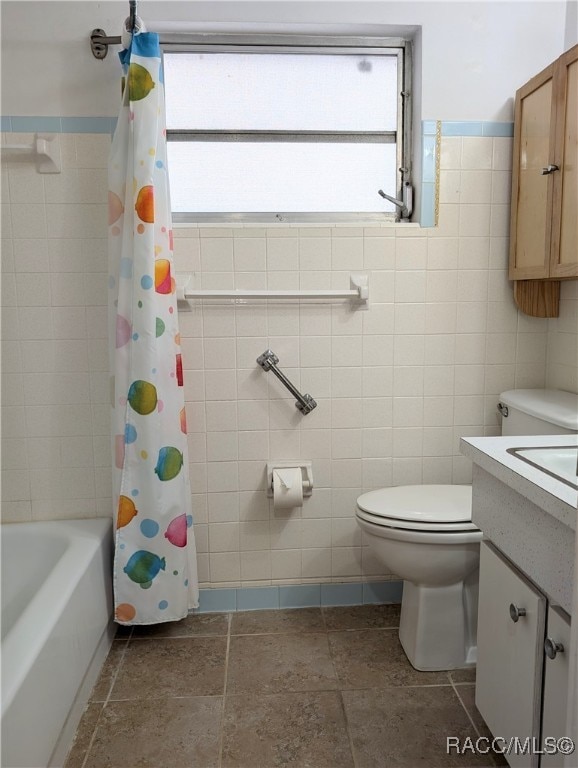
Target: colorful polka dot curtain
column 155, row 570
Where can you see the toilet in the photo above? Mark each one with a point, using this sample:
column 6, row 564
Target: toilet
column 424, row 534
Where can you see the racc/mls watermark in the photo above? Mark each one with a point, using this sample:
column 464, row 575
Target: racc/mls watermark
column 510, row 746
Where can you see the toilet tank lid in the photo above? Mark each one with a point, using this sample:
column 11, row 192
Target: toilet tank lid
column 420, row 503
column 551, row 405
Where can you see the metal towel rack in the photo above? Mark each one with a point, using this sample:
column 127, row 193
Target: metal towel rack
column 268, row 362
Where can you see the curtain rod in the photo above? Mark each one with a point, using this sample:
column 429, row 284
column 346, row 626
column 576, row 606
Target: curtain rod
column 99, row 41
column 132, row 15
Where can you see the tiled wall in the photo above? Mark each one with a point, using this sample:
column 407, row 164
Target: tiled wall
column 55, row 416
column 562, row 363
column 396, row 385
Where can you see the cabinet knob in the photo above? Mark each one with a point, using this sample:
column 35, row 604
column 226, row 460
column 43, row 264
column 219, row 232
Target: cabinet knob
column 552, row 648
column 550, row 169
column 516, row 612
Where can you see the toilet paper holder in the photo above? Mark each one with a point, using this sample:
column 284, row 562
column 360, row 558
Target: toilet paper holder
column 306, row 474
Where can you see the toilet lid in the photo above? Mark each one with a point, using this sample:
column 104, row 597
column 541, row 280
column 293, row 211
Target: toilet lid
column 423, row 505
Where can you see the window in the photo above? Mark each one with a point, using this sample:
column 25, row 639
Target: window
column 287, row 128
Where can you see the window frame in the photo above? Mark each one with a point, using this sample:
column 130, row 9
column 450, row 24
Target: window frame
column 291, row 43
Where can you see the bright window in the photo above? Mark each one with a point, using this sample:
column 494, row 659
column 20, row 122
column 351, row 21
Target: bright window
column 291, row 129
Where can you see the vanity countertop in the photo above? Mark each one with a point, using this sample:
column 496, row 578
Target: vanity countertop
column 552, row 495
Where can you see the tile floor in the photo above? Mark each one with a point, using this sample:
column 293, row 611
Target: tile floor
column 315, row 688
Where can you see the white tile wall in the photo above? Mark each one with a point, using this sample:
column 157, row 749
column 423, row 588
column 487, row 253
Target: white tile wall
column 55, row 457
column 562, row 342
column 396, row 385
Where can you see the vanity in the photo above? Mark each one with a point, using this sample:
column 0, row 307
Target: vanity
column 525, row 496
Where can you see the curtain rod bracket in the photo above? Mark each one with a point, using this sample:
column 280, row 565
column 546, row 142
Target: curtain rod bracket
column 99, row 42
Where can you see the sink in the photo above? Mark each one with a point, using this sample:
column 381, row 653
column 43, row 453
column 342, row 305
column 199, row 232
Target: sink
column 559, row 461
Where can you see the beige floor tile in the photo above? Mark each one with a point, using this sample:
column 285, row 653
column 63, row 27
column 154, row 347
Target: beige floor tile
column 280, row 622
column 191, row 666
column 160, row 733
column 467, row 695
column 362, row 617
column 194, row 625
column 83, row 736
column 467, row 675
column 109, row 669
column 284, row 706
column 291, row 729
column 375, row 658
column 278, row 663
column 407, row 728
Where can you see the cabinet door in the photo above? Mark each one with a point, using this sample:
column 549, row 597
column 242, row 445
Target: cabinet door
column 564, row 249
column 510, row 653
column 556, row 673
column 534, row 139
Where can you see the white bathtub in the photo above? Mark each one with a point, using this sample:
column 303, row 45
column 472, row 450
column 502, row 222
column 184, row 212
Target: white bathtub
column 56, row 632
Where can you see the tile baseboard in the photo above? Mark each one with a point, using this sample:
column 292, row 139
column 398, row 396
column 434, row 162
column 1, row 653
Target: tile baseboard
column 299, row 596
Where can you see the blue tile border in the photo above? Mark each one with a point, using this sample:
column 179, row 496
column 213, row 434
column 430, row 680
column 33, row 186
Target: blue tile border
column 299, row 596
column 428, row 160
column 461, row 128
column 498, row 129
column 486, row 128
column 88, row 124
column 428, row 196
column 36, row 124
column 48, row 124
column 429, row 172
column 72, row 124
column 378, row 592
column 217, row 600
column 428, row 128
column 257, row 598
column 342, row 594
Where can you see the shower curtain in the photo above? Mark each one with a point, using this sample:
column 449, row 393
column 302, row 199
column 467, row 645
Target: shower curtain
column 155, row 571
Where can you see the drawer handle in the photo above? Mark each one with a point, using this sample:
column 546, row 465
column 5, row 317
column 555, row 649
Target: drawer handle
column 550, row 169
column 552, row 648
column 516, row 612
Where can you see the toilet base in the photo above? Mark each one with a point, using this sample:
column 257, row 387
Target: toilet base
column 438, row 625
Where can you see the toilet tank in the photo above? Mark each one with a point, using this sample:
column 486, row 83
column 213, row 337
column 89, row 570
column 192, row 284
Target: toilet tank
column 538, row 412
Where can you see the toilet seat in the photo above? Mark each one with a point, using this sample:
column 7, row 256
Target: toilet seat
column 426, row 508
column 438, row 538
column 392, row 522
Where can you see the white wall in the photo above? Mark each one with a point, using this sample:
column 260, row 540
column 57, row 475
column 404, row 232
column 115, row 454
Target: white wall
column 571, row 34
column 475, row 54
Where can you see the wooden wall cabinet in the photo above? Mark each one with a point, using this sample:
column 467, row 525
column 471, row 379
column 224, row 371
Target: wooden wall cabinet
column 544, row 212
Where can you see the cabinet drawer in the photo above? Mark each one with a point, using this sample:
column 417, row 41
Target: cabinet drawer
column 510, row 653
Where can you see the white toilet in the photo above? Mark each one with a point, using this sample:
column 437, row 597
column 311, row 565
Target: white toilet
column 425, row 535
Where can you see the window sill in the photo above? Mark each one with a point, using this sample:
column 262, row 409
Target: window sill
column 294, row 225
